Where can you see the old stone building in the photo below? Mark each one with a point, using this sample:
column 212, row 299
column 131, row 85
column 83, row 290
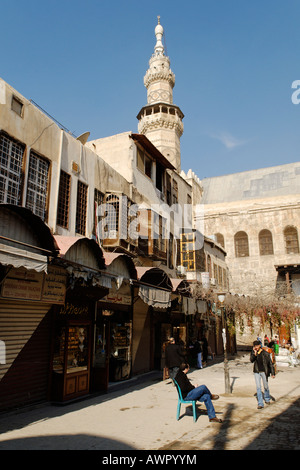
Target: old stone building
column 255, row 216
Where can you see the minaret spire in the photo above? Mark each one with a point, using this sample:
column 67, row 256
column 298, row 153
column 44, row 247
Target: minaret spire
column 159, row 31
column 160, row 120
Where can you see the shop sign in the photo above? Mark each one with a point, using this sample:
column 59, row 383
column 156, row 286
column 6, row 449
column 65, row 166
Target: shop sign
column 21, row 284
column 117, row 299
column 71, row 309
column 54, row 289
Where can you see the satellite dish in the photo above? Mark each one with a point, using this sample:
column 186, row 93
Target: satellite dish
column 83, row 137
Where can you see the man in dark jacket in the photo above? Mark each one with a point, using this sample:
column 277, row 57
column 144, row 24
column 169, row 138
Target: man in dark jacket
column 174, row 357
column 200, row 393
column 262, row 369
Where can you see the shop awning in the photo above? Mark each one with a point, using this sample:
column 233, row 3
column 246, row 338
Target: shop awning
column 155, row 287
column 121, row 266
column 191, row 306
column 19, row 258
column 157, row 298
column 25, row 240
column 84, row 259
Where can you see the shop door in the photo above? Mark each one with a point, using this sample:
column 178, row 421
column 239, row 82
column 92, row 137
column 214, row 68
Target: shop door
column 77, row 367
column 100, row 369
column 71, row 361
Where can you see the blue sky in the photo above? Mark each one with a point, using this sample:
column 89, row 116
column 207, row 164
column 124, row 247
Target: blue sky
column 234, row 62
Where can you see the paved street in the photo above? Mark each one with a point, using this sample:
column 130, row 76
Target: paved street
column 143, row 416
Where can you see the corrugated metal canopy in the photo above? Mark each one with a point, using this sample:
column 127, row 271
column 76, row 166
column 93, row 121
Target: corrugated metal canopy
column 25, row 240
column 120, row 264
column 81, row 250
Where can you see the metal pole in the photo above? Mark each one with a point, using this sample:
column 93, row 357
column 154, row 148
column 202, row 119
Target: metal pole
column 226, row 367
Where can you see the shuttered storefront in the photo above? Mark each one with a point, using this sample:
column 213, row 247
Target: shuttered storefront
column 26, row 333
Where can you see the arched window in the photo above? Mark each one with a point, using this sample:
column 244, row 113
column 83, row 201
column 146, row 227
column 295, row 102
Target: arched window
column 291, row 240
column 241, row 244
column 265, row 243
column 220, row 239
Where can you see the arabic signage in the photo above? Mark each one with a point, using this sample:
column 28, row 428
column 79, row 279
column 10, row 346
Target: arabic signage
column 117, row 299
column 30, row 285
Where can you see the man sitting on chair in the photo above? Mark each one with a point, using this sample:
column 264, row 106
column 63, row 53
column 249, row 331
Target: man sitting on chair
column 200, row 393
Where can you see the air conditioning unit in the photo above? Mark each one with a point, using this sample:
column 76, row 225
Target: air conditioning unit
column 181, row 270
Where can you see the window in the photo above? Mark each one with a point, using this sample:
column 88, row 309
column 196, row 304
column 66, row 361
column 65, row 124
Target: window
column 159, row 232
column 175, row 192
column 17, row 106
column 171, row 251
column 187, row 251
column 140, row 159
column 208, row 266
column 143, row 162
column 168, row 189
column 265, row 242
column 159, row 176
column 225, row 283
column 63, row 200
column 241, row 244
column 112, row 218
column 11, row 162
column 98, row 201
column 80, row 226
column 37, row 185
column 220, row 239
column 148, row 166
column 291, row 240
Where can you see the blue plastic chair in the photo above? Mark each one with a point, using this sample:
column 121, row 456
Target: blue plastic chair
column 184, row 402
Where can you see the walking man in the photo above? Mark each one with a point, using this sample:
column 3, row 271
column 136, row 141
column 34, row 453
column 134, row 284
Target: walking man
column 262, row 369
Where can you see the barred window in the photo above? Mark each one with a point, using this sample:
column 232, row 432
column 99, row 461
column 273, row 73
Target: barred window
column 81, row 208
column 63, row 200
column 291, row 240
column 37, row 185
column 98, row 201
column 112, row 216
column 11, row 161
column 265, row 242
column 241, row 244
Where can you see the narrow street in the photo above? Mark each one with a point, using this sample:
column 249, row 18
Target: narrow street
column 141, row 415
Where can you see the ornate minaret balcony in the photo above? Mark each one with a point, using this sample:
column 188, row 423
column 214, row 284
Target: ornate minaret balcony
column 160, row 115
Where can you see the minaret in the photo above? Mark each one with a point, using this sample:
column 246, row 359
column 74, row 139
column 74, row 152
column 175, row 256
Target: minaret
column 160, row 120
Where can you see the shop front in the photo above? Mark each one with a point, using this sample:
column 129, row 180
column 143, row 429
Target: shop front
column 74, row 327
column 151, row 319
column 31, row 287
column 113, row 333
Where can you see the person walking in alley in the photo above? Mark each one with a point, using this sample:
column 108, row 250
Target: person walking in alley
column 262, row 369
column 174, row 357
column 200, row 393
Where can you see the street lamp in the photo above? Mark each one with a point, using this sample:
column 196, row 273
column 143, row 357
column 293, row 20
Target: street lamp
column 221, row 298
